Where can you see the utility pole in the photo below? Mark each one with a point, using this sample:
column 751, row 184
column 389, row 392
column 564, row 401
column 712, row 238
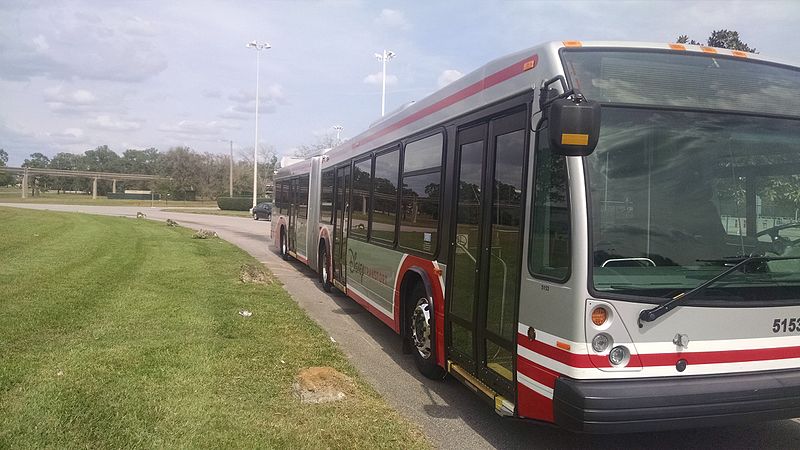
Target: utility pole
column 385, row 56
column 258, row 46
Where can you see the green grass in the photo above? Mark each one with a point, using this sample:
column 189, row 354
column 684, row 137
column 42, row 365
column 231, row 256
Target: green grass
column 14, row 196
column 211, row 212
column 124, row 333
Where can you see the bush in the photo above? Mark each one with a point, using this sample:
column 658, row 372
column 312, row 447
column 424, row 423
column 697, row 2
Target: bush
column 238, row 203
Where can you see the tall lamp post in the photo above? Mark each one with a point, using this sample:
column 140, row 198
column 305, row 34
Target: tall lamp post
column 258, row 46
column 385, row 56
column 338, row 129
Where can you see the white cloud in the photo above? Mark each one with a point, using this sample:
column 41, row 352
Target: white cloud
column 58, row 94
column 273, row 92
column 107, row 123
column 393, row 19
column 62, row 100
column 139, row 27
column 376, row 79
column 447, row 77
column 40, row 42
column 69, row 136
column 192, row 127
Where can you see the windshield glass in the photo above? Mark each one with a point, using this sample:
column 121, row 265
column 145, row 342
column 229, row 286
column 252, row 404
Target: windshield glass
column 677, row 196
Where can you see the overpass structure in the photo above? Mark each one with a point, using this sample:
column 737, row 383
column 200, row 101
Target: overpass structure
column 94, row 176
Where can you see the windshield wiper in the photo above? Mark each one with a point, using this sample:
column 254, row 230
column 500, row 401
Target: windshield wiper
column 649, row 315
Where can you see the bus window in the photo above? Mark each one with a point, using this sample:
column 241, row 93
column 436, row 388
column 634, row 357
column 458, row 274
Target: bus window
column 326, row 198
column 384, row 206
column 302, row 197
column 361, row 203
column 550, row 236
column 419, row 210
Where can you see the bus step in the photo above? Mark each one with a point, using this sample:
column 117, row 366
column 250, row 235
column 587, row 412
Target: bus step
column 502, row 406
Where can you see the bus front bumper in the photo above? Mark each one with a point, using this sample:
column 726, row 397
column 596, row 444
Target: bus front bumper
column 627, row 406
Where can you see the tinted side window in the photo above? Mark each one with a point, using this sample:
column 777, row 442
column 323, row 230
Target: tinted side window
column 361, row 196
column 326, row 198
column 384, row 210
column 302, row 197
column 421, row 190
column 550, row 234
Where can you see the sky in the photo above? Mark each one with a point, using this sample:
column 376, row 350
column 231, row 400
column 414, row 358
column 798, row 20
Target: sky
column 75, row 75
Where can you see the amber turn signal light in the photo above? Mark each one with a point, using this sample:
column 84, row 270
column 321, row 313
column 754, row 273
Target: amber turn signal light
column 599, row 316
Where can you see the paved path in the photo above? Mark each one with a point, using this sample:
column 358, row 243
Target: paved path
column 450, row 414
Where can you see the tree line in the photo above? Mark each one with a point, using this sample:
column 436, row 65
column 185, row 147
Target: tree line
column 184, row 169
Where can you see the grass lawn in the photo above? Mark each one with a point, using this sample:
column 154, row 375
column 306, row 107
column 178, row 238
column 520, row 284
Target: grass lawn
column 125, row 333
column 212, row 212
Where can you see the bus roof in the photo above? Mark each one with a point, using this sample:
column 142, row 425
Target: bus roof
column 501, row 78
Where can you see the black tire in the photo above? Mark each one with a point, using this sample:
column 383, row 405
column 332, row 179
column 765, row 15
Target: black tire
column 424, row 355
column 324, row 275
column 284, row 248
column 255, row 216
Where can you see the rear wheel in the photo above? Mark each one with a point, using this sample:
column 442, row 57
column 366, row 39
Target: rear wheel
column 255, row 216
column 422, row 332
column 284, row 246
column 324, row 269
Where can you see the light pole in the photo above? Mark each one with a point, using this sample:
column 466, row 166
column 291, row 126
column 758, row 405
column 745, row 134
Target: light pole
column 385, row 56
column 258, row 46
column 338, row 129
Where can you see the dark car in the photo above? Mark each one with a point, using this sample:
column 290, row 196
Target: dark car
column 262, row 211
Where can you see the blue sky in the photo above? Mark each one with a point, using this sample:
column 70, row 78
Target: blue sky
column 138, row 74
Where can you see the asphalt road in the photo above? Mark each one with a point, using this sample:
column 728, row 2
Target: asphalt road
column 449, row 413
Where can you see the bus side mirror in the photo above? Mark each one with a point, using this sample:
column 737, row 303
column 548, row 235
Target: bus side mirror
column 574, row 124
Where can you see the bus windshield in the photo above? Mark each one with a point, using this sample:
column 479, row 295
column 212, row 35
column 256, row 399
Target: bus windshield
column 677, row 197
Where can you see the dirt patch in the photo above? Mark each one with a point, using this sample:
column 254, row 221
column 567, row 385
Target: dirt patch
column 252, row 274
column 204, row 234
column 322, row 385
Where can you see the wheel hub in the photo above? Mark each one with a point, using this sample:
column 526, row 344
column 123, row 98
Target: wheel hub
column 421, row 327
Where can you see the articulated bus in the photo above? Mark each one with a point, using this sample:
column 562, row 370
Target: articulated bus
column 599, row 235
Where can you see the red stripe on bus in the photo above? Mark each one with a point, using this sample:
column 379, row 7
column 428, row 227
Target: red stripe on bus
column 486, row 83
column 540, row 374
column 721, row 357
column 660, row 359
column 533, row 405
column 555, row 353
column 375, row 311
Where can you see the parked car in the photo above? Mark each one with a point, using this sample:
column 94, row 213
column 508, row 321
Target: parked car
column 262, row 211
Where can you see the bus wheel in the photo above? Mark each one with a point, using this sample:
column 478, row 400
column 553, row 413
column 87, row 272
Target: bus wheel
column 422, row 332
column 324, row 269
column 284, row 249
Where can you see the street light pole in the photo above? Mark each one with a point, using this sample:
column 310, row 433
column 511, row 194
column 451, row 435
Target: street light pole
column 387, row 55
column 338, row 129
column 258, row 46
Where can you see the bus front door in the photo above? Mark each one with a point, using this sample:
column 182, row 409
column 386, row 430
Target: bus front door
column 292, row 232
column 485, row 265
column 340, row 227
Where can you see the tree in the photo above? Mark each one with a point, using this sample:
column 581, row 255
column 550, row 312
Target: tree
column 38, row 161
column 102, row 159
column 67, row 161
column 323, row 142
column 5, row 178
column 721, row 39
column 728, row 39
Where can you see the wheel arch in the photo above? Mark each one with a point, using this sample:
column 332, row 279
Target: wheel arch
column 410, row 277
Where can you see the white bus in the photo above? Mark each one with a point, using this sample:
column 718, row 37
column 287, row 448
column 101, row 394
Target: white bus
column 599, row 235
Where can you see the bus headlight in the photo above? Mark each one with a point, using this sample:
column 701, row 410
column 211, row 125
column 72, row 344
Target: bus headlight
column 619, row 356
column 601, row 342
